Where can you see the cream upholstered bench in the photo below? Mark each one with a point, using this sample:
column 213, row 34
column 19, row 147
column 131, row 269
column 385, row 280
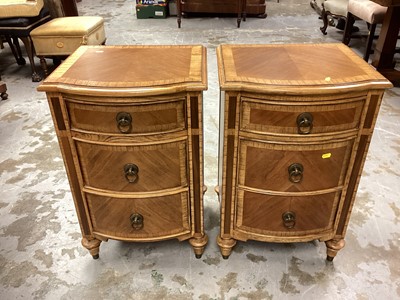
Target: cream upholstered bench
column 334, row 8
column 62, row 36
column 370, row 12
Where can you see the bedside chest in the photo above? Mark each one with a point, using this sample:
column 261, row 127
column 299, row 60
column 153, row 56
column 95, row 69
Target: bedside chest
column 129, row 124
column 296, row 123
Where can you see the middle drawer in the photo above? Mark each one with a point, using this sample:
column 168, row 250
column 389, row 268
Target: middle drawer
column 141, row 168
column 293, row 167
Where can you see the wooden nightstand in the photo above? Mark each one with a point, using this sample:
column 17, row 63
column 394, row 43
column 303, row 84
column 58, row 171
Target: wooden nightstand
column 129, row 124
column 296, row 123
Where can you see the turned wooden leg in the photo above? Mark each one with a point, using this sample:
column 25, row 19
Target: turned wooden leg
column 3, row 90
column 324, row 16
column 199, row 244
column 44, row 66
column 93, row 245
column 29, row 50
column 16, row 50
column 332, row 248
column 225, row 246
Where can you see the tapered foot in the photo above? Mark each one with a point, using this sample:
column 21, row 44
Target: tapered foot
column 333, row 247
column 225, row 246
column 4, row 96
column 199, row 244
column 93, row 245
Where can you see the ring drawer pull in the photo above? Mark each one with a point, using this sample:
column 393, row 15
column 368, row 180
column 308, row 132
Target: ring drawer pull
column 304, row 123
column 296, row 172
column 124, row 122
column 131, row 172
column 289, row 219
column 136, row 221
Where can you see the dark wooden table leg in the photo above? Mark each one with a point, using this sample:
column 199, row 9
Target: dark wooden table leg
column 179, row 12
column 385, row 48
column 3, row 90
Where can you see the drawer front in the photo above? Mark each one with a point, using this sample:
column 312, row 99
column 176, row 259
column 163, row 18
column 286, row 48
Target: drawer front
column 293, row 168
column 269, row 117
column 127, row 119
column 133, row 168
column 286, row 216
column 139, row 218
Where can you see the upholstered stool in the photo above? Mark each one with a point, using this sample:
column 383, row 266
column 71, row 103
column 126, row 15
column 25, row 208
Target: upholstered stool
column 17, row 20
column 62, row 36
column 370, row 12
column 334, row 8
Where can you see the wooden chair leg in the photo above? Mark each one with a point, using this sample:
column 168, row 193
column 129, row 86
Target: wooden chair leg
column 324, row 16
column 348, row 28
column 3, row 90
column 29, row 49
column 370, row 39
column 43, row 64
column 16, row 50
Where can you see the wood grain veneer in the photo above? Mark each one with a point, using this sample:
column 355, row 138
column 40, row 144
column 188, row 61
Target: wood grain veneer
column 296, row 122
column 129, row 124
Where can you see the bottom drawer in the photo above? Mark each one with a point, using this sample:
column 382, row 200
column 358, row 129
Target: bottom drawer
column 286, row 215
column 144, row 219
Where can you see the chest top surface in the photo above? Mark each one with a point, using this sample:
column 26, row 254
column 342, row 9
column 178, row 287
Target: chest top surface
column 295, row 67
column 130, row 69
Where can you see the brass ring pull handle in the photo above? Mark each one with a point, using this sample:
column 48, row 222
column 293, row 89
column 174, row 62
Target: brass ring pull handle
column 289, row 219
column 136, row 221
column 296, row 172
column 131, row 172
column 124, row 122
column 304, row 123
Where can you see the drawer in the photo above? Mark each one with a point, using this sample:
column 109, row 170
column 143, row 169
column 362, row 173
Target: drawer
column 293, row 168
column 300, row 118
column 127, row 119
column 139, row 218
column 283, row 215
column 133, row 168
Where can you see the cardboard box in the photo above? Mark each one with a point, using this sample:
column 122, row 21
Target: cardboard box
column 151, row 11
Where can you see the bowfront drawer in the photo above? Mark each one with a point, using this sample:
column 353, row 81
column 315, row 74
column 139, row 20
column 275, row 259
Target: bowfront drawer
column 133, row 168
column 285, row 215
column 300, row 118
column 127, row 119
column 139, row 218
column 293, row 168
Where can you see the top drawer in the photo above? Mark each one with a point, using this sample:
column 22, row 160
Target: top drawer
column 127, row 118
column 299, row 117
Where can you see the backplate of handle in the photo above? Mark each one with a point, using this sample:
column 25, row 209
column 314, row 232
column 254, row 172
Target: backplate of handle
column 131, row 172
column 124, row 122
column 289, row 219
column 304, row 123
column 136, row 221
column 296, row 172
